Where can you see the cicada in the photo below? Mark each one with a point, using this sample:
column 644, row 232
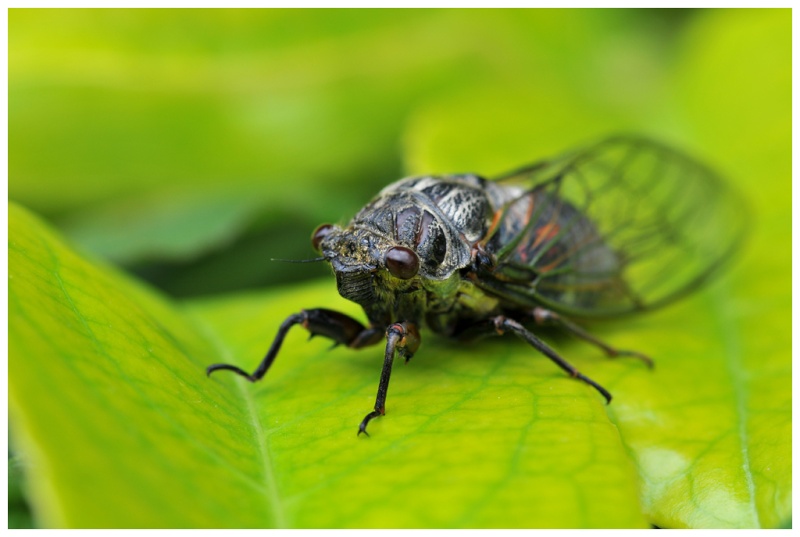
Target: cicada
column 618, row 227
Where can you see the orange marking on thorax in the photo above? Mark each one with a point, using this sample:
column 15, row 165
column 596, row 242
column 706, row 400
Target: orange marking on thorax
column 495, row 221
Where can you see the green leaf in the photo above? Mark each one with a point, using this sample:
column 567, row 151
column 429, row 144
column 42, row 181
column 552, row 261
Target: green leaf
column 710, row 432
column 109, row 401
column 710, row 429
column 741, row 473
column 167, row 225
column 19, row 512
column 111, row 406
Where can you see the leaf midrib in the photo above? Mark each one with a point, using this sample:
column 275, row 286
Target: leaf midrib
column 272, row 496
column 734, row 368
column 56, row 271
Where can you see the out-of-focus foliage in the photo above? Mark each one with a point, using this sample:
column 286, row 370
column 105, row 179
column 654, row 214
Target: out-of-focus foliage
column 19, row 513
column 124, row 120
column 193, row 145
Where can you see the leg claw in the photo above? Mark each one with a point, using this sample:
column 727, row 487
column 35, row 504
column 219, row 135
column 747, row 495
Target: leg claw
column 633, row 354
column 363, row 427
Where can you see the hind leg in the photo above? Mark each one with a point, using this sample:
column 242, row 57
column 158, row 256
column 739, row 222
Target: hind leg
column 501, row 324
column 544, row 316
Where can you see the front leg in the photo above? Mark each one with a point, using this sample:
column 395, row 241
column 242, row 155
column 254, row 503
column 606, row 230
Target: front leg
column 404, row 338
column 339, row 327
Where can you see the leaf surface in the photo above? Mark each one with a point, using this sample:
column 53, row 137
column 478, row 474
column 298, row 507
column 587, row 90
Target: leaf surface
column 116, row 419
column 121, row 428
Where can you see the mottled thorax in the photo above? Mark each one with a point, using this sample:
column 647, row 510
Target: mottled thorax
column 400, row 257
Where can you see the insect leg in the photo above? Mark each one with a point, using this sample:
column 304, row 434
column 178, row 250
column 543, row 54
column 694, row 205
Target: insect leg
column 545, row 316
column 331, row 324
column 502, row 323
column 403, row 338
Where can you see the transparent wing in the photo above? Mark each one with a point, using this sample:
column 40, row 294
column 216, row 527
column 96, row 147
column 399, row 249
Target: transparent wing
column 624, row 225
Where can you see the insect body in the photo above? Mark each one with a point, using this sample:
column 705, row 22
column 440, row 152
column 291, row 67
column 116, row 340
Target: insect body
column 622, row 226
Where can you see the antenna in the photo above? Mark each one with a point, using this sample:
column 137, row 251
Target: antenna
column 314, row 260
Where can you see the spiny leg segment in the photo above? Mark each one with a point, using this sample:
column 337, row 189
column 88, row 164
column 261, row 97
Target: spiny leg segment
column 503, row 323
column 400, row 337
column 339, row 327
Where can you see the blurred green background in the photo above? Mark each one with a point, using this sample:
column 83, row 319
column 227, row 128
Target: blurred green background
column 191, row 146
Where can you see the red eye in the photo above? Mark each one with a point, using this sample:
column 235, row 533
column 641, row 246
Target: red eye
column 320, row 233
column 402, row 262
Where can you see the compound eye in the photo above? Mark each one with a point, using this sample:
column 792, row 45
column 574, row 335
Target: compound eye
column 402, row 262
column 320, row 233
